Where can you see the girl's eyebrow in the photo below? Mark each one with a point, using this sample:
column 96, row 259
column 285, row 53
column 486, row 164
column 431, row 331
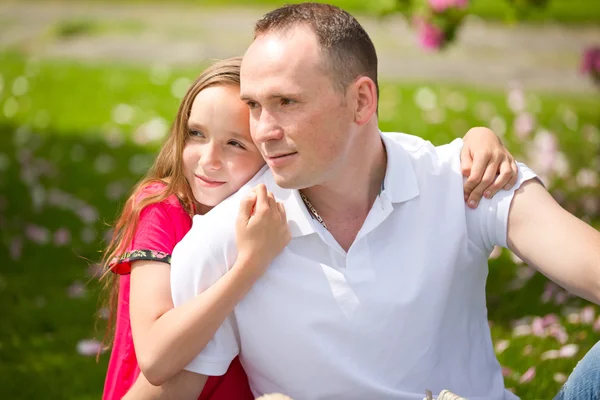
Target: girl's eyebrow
column 239, row 136
column 193, row 125
column 235, row 134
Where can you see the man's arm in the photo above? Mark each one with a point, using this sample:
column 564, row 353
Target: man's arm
column 556, row 243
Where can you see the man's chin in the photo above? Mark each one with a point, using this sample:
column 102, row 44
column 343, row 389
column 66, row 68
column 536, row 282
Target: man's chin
column 287, row 182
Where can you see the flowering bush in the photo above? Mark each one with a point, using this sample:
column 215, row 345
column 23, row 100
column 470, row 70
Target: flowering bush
column 590, row 64
column 437, row 21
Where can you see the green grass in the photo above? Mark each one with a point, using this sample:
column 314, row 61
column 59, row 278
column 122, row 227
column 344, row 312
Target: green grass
column 64, row 126
column 564, row 11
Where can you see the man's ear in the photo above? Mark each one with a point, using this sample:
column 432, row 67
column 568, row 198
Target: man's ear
column 366, row 100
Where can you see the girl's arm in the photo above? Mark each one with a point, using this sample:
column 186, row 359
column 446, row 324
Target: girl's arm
column 183, row 386
column 167, row 339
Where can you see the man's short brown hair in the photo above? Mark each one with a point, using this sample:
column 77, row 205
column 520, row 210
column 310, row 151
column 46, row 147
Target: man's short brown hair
column 349, row 51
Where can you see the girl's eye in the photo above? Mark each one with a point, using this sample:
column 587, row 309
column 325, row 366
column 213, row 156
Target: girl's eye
column 236, row 144
column 196, row 133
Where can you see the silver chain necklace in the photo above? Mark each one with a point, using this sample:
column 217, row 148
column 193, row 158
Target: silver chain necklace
column 312, row 210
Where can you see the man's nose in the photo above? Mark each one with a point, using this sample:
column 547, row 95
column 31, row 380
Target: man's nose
column 266, row 128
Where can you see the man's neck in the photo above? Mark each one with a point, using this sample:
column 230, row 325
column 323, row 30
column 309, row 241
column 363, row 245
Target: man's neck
column 346, row 199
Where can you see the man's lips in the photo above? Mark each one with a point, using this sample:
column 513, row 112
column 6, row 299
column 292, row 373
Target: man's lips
column 207, row 182
column 279, row 160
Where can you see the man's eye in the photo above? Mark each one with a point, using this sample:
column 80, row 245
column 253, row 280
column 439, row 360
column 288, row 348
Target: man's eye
column 252, row 104
column 286, row 102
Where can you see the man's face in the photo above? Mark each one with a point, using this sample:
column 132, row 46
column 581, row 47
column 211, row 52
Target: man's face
column 300, row 123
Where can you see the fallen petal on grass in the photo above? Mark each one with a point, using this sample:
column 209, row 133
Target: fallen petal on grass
column 527, row 375
column 559, row 377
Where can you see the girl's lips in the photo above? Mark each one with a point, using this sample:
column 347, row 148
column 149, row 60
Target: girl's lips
column 208, row 183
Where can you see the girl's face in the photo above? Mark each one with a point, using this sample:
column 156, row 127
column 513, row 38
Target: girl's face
column 219, row 156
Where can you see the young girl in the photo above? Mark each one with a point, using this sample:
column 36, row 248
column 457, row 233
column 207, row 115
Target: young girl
column 208, row 156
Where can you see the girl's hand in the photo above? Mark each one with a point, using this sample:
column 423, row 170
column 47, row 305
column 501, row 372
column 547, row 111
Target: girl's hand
column 261, row 229
column 487, row 165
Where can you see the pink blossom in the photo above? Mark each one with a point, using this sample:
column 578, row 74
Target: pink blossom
column 527, row 350
column 16, row 248
column 550, row 319
column 543, row 152
column 95, row 270
column 590, row 62
column 506, row 372
column 549, row 291
column 590, row 204
column 501, row 346
column 561, row 165
column 528, row 375
column 525, row 273
column 574, row 318
column 560, row 298
column 516, row 99
column 104, row 313
column 587, row 178
column 587, row 315
column 76, row 290
column 537, row 327
column 523, row 125
column 61, row 237
column 521, row 330
column 442, row 5
column 596, row 326
column 37, row 234
column 89, row 347
column 559, row 333
column 430, row 36
column 568, row 350
column 86, row 213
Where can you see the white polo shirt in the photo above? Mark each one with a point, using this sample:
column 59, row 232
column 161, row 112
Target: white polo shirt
column 402, row 311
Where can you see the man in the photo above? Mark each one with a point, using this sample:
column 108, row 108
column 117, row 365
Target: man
column 381, row 292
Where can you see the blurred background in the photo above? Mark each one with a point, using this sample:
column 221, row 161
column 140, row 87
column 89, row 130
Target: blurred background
column 88, row 90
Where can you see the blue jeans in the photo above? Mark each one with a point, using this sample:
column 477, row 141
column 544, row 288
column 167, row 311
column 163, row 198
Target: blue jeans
column 584, row 382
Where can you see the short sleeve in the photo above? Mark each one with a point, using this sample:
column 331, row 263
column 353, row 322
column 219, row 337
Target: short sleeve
column 154, row 239
column 193, row 270
column 487, row 225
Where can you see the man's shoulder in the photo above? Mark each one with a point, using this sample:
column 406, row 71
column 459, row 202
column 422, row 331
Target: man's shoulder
column 424, row 156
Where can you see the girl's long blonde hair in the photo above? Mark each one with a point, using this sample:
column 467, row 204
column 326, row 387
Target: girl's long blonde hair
column 166, row 170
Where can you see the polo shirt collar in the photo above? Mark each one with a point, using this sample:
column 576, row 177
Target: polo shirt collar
column 400, row 182
column 299, row 218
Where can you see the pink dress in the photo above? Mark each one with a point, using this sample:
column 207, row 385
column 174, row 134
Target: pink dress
column 160, row 228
